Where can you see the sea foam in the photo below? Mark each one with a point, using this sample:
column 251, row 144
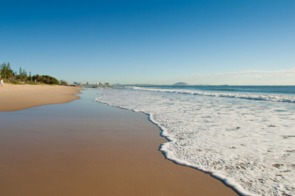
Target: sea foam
column 250, row 96
column 248, row 144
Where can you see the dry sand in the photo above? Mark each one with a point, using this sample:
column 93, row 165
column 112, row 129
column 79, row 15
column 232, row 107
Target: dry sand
column 86, row 148
column 17, row 97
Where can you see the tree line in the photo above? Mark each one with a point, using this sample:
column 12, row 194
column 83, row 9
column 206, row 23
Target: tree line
column 22, row 76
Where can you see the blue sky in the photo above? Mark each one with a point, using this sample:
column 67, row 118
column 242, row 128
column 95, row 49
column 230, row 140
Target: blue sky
column 152, row 41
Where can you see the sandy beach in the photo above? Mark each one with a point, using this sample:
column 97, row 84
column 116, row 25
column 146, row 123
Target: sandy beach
column 86, row 148
column 17, row 97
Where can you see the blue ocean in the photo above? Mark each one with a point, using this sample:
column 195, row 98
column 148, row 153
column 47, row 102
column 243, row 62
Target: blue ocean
column 288, row 90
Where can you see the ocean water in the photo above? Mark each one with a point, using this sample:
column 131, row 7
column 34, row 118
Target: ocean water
column 243, row 135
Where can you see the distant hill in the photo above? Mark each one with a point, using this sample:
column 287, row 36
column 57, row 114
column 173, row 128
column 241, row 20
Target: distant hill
column 180, row 84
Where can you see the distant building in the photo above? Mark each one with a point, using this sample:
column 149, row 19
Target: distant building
column 101, row 85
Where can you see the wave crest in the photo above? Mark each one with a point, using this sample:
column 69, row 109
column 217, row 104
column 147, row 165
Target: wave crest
column 249, row 96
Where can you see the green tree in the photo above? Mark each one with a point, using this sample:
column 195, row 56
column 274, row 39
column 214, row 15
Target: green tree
column 6, row 71
column 22, row 76
column 45, row 79
column 63, row 82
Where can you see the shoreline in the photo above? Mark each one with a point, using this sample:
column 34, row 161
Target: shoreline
column 235, row 187
column 19, row 97
column 214, row 135
column 150, row 118
column 100, row 150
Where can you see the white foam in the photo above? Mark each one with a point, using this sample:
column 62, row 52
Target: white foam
column 250, row 96
column 248, row 144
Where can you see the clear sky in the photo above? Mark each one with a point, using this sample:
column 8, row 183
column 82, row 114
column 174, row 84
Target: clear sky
column 152, row 41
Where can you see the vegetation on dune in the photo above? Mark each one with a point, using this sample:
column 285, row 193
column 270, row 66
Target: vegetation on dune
column 45, row 79
column 22, row 77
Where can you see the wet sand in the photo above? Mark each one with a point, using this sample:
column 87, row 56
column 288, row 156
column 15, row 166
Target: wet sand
column 17, row 97
column 86, row 148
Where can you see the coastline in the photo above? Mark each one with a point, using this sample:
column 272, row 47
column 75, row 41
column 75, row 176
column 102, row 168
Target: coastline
column 100, row 150
column 19, row 97
column 212, row 134
column 235, row 188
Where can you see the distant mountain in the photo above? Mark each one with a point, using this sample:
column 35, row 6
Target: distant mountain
column 180, row 84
